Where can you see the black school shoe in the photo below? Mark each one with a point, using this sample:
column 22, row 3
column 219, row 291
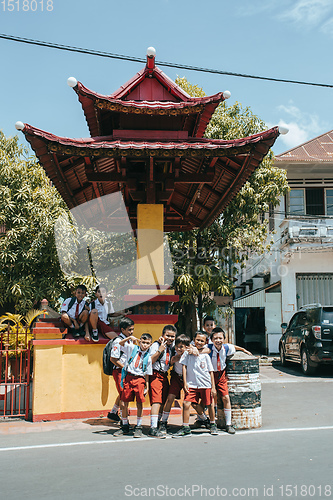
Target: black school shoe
column 123, row 431
column 94, row 336
column 163, row 428
column 114, row 417
column 155, row 432
column 184, row 431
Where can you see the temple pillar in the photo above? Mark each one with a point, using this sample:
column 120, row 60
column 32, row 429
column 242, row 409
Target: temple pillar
column 151, row 315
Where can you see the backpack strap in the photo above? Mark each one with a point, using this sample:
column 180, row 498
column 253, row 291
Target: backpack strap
column 92, row 305
column 226, row 348
column 71, row 303
column 210, row 354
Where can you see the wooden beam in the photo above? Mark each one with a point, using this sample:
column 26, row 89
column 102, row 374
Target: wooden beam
column 206, row 178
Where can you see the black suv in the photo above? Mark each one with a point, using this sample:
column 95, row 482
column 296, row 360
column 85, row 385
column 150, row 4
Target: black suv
column 308, row 339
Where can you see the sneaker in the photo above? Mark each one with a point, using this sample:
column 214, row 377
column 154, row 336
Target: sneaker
column 184, row 431
column 155, row 432
column 230, row 429
column 123, row 431
column 94, row 336
column 114, row 416
column 213, row 430
column 138, row 432
column 163, row 428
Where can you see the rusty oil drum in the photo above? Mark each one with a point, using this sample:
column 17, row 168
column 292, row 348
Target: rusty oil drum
column 244, row 391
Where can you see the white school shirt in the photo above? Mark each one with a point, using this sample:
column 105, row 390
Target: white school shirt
column 131, row 368
column 71, row 311
column 103, row 310
column 178, row 367
column 160, row 365
column 198, row 370
column 222, row 354
column 118, row 350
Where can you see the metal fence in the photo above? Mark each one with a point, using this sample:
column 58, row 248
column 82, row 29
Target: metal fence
column 15, row 372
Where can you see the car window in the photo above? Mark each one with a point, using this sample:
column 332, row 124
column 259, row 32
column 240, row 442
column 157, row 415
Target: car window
column 302, row 319
column 293, row 322
column 327, row 315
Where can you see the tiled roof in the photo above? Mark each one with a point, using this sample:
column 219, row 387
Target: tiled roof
column 319, row 149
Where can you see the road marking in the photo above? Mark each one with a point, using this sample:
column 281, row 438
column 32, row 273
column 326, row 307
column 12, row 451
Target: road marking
column 128, row 440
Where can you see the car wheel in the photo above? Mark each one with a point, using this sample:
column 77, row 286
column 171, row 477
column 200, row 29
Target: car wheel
column 305, row 362
column 282, row 356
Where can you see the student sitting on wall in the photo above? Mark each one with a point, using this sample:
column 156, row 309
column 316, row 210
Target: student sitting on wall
column 75, row 313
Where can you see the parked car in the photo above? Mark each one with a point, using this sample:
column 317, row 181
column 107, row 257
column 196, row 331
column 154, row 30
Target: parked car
column 308, row 339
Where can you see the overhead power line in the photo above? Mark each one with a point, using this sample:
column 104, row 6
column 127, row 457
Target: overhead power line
column 160, row 63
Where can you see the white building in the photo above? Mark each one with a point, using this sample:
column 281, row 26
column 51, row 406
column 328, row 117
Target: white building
column 299, row 268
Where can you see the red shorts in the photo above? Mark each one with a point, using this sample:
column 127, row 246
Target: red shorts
column 158, row 387
column 221, row 383
column 117, row 379
column 103, row 328
column 176, row 385
column 195, row 395
column 134, row 387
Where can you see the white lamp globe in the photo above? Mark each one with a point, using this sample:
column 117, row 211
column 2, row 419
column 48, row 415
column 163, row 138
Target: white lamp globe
column 226, row 94
column 283, row 129
column 151, row 52
column 19, row 125
column 72, row 82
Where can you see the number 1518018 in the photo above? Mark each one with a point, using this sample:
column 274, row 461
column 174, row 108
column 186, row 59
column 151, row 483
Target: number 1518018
column 27, row 5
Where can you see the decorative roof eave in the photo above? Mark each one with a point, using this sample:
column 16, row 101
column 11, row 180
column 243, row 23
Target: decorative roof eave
column 108, row 147
column 91, row 101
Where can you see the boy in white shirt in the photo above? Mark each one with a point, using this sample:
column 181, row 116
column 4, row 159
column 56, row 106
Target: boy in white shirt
column 75, row 313
column 199, row 385
column 100, row 309
column 138, row 367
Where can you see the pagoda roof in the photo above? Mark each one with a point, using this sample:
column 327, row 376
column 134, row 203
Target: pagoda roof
column 195, row 179
column 149, row 92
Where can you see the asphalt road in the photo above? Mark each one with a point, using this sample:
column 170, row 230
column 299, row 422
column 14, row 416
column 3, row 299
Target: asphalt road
column 290, row 456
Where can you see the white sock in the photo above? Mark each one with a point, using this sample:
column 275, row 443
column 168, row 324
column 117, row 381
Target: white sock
column 165, row 416
column 186, row 424
column 202, row 417
column 95, row 330
column 115, row 409
column 124, row 421
column 139, row 421
column 227, row 413
column 153, row 420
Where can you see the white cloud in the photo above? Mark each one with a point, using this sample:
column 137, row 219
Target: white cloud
column 302, row 126
column 307, row 12
column 327, row 28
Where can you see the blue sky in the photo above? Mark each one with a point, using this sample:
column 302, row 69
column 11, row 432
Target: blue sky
column 277, row 38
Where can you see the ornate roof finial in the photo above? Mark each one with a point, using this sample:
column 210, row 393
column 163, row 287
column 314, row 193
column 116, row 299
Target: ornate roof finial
column 151, row 53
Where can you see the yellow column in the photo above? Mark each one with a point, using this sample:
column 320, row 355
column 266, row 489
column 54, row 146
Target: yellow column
column 150, row 245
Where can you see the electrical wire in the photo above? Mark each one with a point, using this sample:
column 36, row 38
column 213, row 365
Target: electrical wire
column 123, row 57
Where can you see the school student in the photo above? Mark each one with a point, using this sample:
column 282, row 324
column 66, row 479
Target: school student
column 118, row 359
column 199, row 385
column 182, row 343
column 161, row 353
column 134, row 382
column 75, row 313
column 100, row 309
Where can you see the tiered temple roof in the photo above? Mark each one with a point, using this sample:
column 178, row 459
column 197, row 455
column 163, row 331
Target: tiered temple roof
column 147, row 141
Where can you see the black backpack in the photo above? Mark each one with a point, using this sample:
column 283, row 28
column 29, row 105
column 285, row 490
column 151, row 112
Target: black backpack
column 107, row 364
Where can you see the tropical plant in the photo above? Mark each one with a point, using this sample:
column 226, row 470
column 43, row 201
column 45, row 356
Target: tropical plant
column 15, row 330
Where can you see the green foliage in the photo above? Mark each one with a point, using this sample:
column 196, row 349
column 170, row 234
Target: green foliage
column 29, row 207
column 207, row 260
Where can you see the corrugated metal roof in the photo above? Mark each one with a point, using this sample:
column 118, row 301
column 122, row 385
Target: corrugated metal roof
column 319, row 149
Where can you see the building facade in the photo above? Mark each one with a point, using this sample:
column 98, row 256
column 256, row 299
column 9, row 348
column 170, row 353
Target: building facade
column 299, row 268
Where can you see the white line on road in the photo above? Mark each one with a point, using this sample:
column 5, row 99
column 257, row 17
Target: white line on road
column 113, row 441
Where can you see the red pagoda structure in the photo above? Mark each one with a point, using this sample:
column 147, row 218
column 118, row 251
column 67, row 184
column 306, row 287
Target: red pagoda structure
column 146, row 141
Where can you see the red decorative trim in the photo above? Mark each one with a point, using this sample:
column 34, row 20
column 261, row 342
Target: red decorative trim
column 151, row 319
column 46, row 417
column 144, row 298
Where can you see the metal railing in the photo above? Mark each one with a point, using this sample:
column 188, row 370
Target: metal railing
column 15, row 372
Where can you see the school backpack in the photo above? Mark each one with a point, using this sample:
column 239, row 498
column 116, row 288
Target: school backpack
column 71, row 303
column 144, row 363
column 107, row 363
column 226, row 348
